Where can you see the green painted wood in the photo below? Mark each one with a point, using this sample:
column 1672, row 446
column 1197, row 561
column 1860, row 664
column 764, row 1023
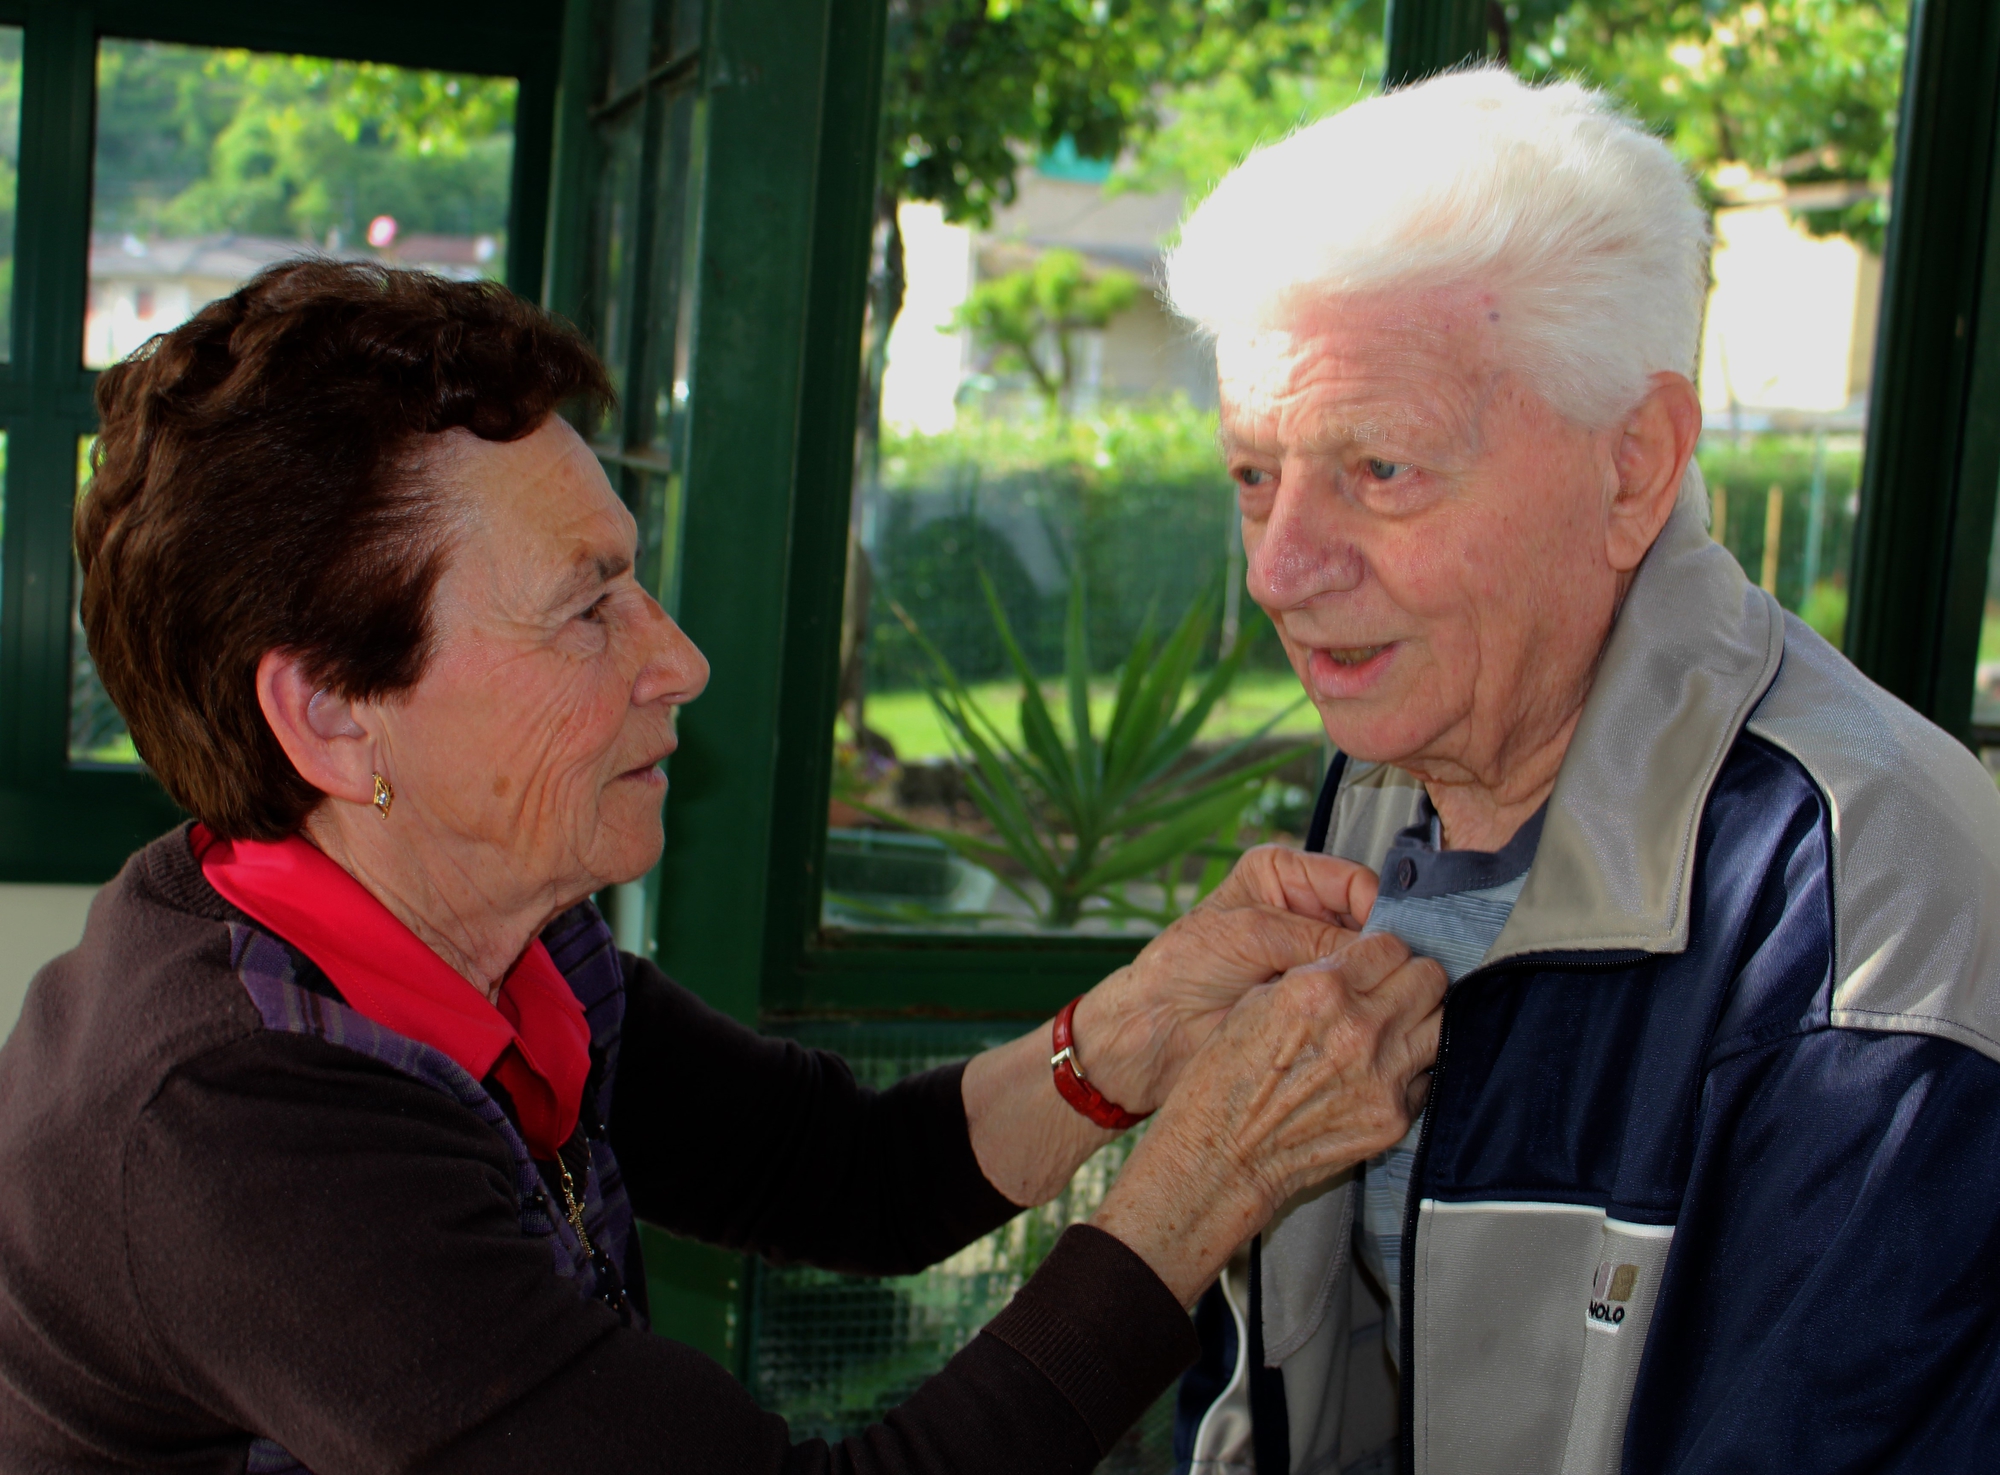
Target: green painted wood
column 528, row 192
column 574, row 165
column 957, row 977
column 1911, row 482
column 506, row 38
column 696, row 1294
column 764, row 79
column 1963, row 596
column 1426, row 36
column 58, row 823
column 843, row 226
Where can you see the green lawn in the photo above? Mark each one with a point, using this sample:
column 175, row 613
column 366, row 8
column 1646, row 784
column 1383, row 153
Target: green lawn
column 908, row 719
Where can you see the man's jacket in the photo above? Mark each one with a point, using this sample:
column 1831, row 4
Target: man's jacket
column 1710, row 1174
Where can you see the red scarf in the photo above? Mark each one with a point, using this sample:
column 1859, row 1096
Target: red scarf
column 535, row 1042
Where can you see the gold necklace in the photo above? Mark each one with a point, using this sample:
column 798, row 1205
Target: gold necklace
column 570, row 1202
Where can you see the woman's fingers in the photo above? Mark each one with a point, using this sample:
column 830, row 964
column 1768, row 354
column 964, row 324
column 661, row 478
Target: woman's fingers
column 1322, row 886
column 1305, row 1076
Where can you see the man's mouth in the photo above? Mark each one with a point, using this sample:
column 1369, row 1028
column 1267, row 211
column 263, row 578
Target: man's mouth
column 1353, row 655
column 1334, row 672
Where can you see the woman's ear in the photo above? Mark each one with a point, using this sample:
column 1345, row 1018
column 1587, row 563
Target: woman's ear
column 1654, row 448
column 320, row 732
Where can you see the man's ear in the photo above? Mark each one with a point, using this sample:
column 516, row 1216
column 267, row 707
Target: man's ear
column 1654, row 447
column 320, row 732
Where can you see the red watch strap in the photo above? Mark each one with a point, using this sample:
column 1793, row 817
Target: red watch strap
column 1073, row 1085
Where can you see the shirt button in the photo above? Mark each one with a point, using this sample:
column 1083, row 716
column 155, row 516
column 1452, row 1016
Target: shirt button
column 1406, row 873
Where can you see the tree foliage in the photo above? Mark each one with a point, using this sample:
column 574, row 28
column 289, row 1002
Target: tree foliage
column 1028, row 319
column 973, row 85
column 193, row 140
column 1801, row 90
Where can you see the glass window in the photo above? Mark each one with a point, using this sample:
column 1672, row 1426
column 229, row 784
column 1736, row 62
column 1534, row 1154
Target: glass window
column 97, row 734
column 10, row 160
column 1056, row 712
column 617, row 229
column 1786, row 113
column 214, row 163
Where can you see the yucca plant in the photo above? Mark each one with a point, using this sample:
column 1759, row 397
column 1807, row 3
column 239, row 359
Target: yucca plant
column 1085, row 814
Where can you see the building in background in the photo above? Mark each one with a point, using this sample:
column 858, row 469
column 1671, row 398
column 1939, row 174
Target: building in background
column 1788, row 346
column 139, row 286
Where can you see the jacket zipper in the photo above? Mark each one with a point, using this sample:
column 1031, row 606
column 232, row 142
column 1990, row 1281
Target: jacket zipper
column 1406, row 1335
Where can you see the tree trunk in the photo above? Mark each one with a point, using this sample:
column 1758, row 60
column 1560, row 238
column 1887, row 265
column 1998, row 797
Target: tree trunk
column 886, row 286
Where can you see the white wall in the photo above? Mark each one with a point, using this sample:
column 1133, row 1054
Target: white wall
column 36, row 923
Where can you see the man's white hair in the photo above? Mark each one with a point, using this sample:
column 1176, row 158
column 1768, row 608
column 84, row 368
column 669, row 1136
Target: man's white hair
column 1583, row 225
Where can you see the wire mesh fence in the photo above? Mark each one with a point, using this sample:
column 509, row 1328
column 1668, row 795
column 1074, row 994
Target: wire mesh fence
column 834, row 1353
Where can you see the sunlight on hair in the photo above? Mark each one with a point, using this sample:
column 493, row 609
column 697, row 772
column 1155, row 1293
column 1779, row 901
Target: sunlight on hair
column 1584, row 227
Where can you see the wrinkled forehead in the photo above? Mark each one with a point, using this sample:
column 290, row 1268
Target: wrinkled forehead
column 534, row 514
column 1338, row 369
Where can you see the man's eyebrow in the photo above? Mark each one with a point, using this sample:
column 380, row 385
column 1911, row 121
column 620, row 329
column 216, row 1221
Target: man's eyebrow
column 592, row 571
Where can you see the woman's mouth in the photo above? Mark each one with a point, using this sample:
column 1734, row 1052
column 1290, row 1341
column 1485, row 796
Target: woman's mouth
column 649, row 772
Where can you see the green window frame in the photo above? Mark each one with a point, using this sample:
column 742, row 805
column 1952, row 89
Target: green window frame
column 780, row 294
column 750, row 496
column 792, row 88
column 64, row 823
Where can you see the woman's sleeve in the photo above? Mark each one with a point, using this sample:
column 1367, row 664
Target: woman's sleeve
column 740, row 1139
column 328, row 1254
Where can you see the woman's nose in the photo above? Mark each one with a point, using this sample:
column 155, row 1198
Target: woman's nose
column 674, row 670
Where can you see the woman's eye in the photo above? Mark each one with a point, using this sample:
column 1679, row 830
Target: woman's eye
column 595, row 614
column 1386, row 470
column 1253, row 476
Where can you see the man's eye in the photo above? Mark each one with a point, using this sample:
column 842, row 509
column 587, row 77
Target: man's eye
column 1253, row 476
column 1386, row 470
column 595, row 614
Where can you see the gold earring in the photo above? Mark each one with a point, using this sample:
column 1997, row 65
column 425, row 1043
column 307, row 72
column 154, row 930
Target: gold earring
column 384, row 796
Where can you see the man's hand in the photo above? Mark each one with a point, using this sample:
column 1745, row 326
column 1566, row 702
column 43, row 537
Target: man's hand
column 1278, row 909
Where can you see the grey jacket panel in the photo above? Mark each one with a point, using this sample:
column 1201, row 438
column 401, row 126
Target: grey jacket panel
column 1694, row 648
column 1916, row 823
column 1522, row 1358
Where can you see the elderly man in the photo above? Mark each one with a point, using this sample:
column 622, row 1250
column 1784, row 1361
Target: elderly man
column 1707, row 1177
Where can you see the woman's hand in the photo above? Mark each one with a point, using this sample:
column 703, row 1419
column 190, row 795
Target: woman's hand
column 1305, row 1077
column 1276, row 910
column 1136, row 1030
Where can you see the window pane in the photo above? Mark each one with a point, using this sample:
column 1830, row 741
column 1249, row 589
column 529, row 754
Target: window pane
column 614, row 239
column 1787, row 114
column 212, row 164
column 3, row 512
column 10, row 159
column 97, row 734
column 1011, row 474
column 671, row 289
column 833, row 1353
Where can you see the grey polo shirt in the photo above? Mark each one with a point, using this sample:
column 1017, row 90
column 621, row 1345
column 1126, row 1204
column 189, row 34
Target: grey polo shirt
column 1449, row 905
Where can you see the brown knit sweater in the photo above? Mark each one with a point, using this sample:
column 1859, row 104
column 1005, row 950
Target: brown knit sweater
column 211, row 1232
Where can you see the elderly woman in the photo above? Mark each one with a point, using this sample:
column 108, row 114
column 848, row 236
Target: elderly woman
column 1707, row 1179
column 323, row 1149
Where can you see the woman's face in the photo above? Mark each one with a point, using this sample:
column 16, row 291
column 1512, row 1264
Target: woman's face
column 528, row 756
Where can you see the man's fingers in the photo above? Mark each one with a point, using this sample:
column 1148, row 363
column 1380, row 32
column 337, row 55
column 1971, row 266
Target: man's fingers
column 1417, row 1093
column 1322, row 886
column 1416, row 1047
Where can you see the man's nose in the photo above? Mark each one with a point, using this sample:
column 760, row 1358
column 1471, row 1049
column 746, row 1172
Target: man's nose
column 1301, row 550
column 675, row 670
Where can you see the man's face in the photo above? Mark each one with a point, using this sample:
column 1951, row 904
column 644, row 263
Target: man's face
column 1427, row 534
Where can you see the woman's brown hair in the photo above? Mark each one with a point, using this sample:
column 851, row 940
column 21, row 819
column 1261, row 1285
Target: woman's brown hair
column 255, row 488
